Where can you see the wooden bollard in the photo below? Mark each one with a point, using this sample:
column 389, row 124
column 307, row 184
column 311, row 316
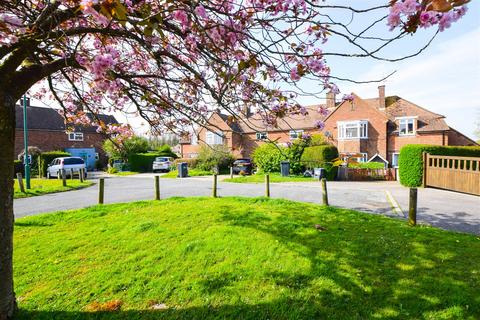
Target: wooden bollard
column 20, row 182
column 231, row 172
column 157, row 188
column 81, row 174
column 412, row 207
column 267, row 185
column 324, row 192
column 101, row 190
column 214, row 190
column 71, row 174
column 64, row 177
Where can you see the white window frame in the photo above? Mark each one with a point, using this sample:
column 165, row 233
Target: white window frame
column 360, row 126
column 263, row 135
column 294, row 134
column 75, row 136
column 213, row 138
column 393, row 159
column 363, row 159
column 405, row 121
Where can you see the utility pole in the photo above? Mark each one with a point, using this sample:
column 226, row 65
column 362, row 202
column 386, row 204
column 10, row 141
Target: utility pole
column 25, row 142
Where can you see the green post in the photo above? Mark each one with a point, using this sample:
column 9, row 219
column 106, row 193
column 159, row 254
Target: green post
column 267, row 185
column 214, row 191
column 101, row 189
column 157, row 188
column 25, row 143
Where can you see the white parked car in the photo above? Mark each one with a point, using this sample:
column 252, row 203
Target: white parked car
column 67, row 163
column 162, row 164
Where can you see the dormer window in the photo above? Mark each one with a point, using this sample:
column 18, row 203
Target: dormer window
column 213, row 138
column 406, row 126
column 353, row 129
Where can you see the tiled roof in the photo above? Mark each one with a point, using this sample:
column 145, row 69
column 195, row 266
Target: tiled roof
column 39, row 118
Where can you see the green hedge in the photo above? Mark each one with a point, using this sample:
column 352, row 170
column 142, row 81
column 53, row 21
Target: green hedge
column 267, row 157
column 367, row 165
column 411, row 160
column 317, row 156
column 321, row 156
column 142, row 162
column 45, row 158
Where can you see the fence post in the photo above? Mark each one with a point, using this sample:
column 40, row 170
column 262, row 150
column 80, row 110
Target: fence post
column 324, row 192
column 424, row 177
column 231, row 172
column 267, row 185
column 20, row 182
column 64, row 177
column 157, row 188
column 101, row 190
column 214, row 190
column 412, row 209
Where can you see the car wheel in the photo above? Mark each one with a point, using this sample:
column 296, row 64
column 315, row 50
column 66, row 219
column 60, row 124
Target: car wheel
column 48, row 175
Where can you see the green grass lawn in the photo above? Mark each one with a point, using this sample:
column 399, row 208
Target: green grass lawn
column 274, row 177
column 44, row 186
column 191, row 173
column 240, row 258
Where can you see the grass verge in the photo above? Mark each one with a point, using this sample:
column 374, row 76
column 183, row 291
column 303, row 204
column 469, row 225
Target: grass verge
column 274, row 177
column 126, row 173
column 44, row 186
column 191, row 173
column 239, row 258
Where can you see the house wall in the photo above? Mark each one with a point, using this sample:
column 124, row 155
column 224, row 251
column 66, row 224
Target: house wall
column 58, row 140
column 377, row 128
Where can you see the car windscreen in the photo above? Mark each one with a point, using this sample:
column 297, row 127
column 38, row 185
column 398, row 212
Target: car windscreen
column 242, row 161
column 161, row 159
column 73, row 161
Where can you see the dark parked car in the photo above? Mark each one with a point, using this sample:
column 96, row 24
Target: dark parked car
column 244, row 165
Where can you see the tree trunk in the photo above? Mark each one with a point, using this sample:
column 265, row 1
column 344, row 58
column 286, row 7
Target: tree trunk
column 7, row 139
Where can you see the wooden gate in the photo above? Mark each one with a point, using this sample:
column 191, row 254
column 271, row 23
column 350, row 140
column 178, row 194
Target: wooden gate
column 453, row 173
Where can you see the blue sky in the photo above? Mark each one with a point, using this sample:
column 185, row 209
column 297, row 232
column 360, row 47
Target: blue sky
column 445, row 78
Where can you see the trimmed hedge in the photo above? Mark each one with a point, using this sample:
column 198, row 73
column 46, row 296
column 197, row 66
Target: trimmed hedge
column 411, row 160
column 191, row 162
column 321, row 156
column 367, row 165
column 141, row 162
column 45, row 158
column 318, row 155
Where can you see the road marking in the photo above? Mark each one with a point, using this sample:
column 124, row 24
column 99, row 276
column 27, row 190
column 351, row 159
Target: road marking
column 395, row 206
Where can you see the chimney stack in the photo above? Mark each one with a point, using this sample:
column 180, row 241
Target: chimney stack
column 330, row 100
column 381, row 97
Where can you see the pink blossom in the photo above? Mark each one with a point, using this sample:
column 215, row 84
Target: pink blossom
column 201, row 12
column 294, row 74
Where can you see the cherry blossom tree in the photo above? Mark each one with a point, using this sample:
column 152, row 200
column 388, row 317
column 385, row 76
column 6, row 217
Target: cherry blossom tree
column 174, row 62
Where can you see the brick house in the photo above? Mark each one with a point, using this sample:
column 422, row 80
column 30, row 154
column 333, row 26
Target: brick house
column 47, row 131
column 376, row 128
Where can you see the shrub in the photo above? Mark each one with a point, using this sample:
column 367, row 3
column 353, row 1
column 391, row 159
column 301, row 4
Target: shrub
column 122, row 150
column 166, row 151
column 112, row 170
column 268, row 156
column 141, row 162
column 191, row 162
column 411, row 160
column 45, row 158
column 367, row 165
column 318, row 139
column 210, row 157
column 317, row 156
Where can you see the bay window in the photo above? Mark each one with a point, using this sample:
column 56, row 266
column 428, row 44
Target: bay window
column 353, row 129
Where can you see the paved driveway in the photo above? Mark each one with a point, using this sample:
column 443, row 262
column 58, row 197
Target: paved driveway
column 449, row 210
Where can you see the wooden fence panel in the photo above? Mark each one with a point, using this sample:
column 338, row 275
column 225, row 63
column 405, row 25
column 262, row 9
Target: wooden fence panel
column 453, row 173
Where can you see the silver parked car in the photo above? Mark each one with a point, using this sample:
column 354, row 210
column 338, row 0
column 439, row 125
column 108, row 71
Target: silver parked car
column 67, row 163
column 162, row 164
